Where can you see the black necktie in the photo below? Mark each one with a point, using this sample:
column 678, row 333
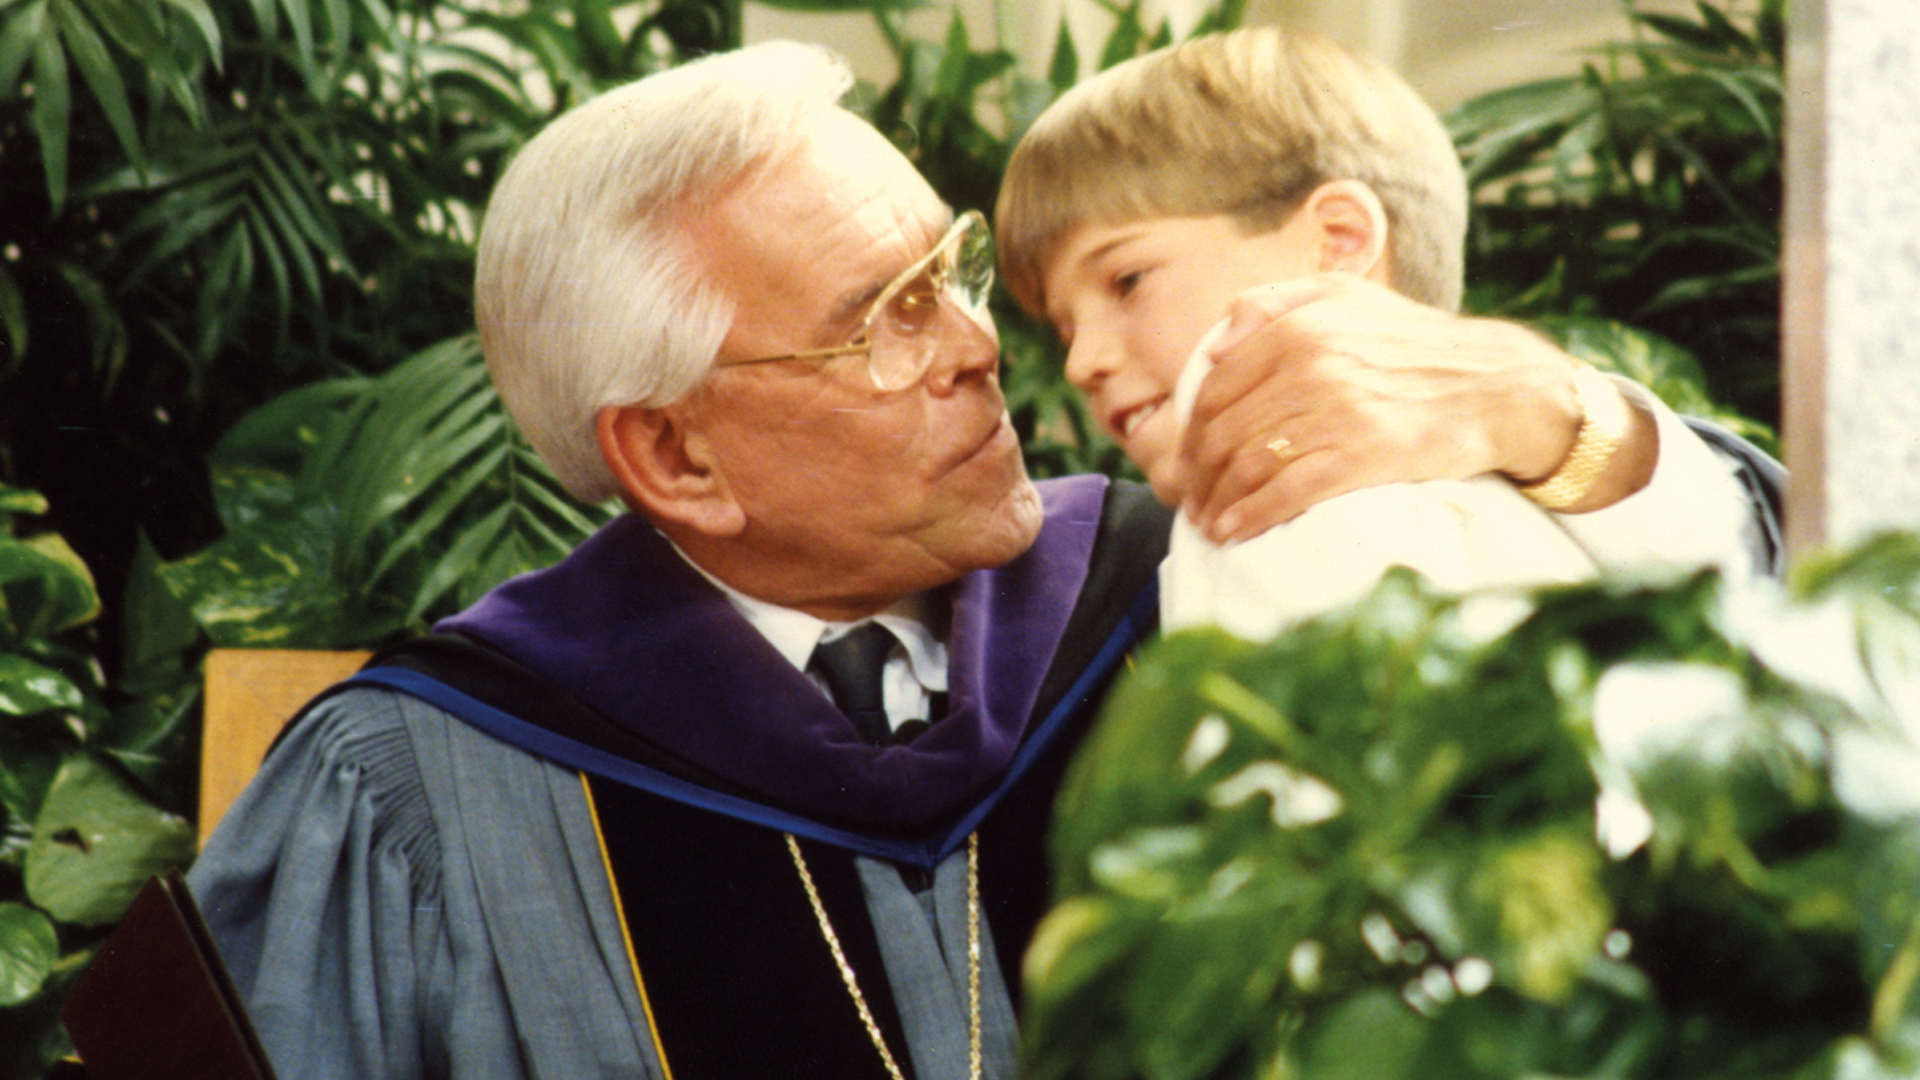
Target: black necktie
column 850, row 666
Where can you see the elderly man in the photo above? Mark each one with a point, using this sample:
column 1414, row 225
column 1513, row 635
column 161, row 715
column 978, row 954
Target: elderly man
column 755, row 782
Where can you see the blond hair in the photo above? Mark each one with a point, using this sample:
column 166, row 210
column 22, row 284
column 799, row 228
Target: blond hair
column 1245, row 124
column 587, row 293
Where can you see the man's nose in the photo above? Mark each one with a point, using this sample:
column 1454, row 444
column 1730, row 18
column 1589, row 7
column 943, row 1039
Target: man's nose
column 971, row 349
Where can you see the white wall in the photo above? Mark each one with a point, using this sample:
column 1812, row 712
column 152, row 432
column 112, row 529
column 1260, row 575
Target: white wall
column 1449, row 50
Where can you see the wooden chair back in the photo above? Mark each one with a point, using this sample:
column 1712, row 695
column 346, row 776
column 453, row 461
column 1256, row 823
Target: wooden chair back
column 250, row 695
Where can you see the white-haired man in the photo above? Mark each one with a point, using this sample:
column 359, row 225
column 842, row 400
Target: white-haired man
column 607, row 822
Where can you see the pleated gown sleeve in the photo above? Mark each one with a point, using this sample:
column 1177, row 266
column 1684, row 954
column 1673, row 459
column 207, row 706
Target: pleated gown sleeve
column 342, row 891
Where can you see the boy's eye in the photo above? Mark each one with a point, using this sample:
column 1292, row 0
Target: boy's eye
column 1124, row 284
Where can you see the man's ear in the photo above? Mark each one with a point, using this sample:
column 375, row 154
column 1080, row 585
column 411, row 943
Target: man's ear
column 1351, row 226
column 667, row 468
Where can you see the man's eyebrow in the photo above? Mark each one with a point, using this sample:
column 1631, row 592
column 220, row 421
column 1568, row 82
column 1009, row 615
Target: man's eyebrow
column 854, row 302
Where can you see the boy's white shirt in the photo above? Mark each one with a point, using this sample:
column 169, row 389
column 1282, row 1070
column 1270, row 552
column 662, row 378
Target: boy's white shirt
column 1467, row 536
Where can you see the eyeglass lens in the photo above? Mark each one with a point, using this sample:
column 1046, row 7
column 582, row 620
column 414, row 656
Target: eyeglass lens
column 906, row 331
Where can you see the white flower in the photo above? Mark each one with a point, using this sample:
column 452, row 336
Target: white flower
column 1876, row 774
column 1645, row 711
column 1812, row 645
column 1298, row 799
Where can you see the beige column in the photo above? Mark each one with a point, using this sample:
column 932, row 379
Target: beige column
column 1851, row 270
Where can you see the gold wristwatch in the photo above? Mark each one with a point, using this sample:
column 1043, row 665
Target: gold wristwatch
column 1605, row 419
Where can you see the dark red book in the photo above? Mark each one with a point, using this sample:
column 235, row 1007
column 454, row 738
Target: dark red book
column 157, row 1002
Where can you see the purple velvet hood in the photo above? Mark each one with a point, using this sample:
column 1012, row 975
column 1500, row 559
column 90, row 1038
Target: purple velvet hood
column 630, row 629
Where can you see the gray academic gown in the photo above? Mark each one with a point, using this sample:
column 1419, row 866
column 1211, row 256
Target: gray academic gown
column 465, row 876
column 400, row 894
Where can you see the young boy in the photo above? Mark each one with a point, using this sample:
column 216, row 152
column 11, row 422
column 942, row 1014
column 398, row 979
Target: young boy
column 1253, row 175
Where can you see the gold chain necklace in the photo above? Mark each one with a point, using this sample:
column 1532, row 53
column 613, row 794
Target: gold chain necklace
column 853, row 987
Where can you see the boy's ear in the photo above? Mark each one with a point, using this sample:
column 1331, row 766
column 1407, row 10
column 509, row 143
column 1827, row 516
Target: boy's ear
column 667, row 469
column 1351, row 227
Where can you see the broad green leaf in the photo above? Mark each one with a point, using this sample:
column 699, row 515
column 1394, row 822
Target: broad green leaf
column 280, row 434
column 97, row 842
column 172, row 63
column 27, row 688
column 156, row 627
column 1578, row 144
column 1077, row 945
column 30, row 754
column 1549, row 913
column 1495, row 130
column 1661, row 366
column 1771, row 29
column 15, row 500
column 46, row 587
column 380, row 16
column 1200, row 982
column 270, row 585
column 1371, row 1036
column 1726, row 34
column 28, row 949
column 248, row 494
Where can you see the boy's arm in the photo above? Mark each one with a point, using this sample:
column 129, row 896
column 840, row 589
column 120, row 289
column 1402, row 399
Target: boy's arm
column 1367, row 387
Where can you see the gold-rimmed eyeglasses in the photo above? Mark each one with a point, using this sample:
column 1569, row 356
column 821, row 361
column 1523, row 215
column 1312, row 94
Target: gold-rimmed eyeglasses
column 903, row 331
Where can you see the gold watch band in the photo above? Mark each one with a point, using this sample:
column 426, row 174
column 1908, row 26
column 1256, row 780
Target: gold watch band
column 1605, row 419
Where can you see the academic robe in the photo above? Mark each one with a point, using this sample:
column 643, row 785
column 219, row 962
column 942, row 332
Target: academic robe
column 413, row 888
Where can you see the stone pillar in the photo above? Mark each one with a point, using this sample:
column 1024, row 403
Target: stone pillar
column 1851, row 269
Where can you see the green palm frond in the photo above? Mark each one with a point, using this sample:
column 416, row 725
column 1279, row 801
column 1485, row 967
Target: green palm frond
column 441, row 498
column 49, row 42
column 408, row 497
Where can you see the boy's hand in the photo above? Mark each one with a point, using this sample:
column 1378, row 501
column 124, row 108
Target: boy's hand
column 1330, row 383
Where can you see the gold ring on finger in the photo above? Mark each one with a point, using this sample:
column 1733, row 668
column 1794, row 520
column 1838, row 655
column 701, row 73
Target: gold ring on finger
column 1283, row 448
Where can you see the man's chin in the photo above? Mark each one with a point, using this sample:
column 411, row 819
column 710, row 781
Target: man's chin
column 997, row 538
column 1027, row 513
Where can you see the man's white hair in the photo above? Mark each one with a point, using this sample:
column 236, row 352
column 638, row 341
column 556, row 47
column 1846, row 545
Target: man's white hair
column 587, row 293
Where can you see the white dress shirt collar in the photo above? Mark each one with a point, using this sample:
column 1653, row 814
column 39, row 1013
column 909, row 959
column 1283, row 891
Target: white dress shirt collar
column 793, row 634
